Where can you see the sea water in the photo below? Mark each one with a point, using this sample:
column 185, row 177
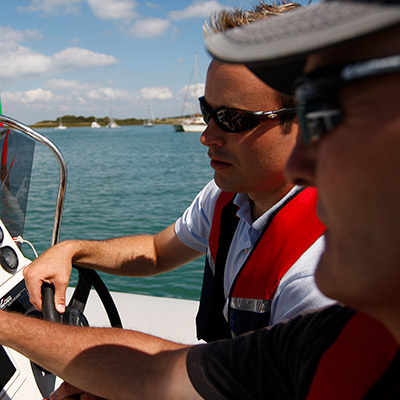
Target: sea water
column 125, row 181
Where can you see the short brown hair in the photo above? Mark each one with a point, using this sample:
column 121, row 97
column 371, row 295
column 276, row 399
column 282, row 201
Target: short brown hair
column 227, row 19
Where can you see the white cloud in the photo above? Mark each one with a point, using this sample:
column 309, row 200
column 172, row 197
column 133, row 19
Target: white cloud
column 69, row 92
column 160, row 93
column 38, row 95
column 104, row 9
column 45, row 95
column 63, row 84
column 152, row 5
column 94, row 95
column 77, row 88
column 80, row 99
column 150, row 27
column 53, row 7
column 193, row 91
column 22, row 61
column 199, row 9
column 29, row 97
column 106, row 94
column 113, row 9
column 17, row 61
column 78, row 58
column 11, row 36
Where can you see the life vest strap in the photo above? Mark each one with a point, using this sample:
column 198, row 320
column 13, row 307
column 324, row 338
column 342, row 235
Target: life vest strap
column 210, row 321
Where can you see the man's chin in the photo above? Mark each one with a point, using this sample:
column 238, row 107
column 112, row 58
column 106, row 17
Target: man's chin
column 224, row 184
column 323, row 276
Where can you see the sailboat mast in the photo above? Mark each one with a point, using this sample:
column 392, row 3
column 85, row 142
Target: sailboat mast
column 196, row 85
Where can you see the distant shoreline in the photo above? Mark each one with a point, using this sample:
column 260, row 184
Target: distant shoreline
column 72, row 121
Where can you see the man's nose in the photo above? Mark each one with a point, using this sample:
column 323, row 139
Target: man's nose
column 212, row 135
column 300, row 166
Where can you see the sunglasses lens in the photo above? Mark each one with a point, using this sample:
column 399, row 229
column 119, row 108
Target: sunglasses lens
column 316, row 114
column 204, row 112
column 320, row 123
column 231, row 120
column 300, row 109
column 235, row 121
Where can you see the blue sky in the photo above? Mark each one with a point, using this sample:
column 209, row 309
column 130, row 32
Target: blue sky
column 93, row 57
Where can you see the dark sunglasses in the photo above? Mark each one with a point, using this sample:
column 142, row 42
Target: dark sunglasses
column 234, row 120
column 318, row 110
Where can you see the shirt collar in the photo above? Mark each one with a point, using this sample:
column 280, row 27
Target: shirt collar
column 242, row 200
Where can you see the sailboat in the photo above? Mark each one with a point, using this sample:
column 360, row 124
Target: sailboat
column 149, row 123
column 60, row 125
column 195, row 123
column 112, row 124
column 95, row 124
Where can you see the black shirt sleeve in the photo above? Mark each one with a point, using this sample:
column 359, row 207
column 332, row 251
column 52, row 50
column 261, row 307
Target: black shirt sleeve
column 276, row 362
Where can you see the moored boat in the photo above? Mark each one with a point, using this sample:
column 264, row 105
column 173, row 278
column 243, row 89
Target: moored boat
column 112, row 124
column 60, row 125
column 194, row 124
column 150, row 122
column 95, row 124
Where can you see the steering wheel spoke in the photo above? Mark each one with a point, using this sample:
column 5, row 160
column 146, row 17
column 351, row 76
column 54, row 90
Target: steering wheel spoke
column 81, row 292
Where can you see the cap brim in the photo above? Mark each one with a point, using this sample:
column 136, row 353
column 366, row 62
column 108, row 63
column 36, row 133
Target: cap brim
column 275, row 48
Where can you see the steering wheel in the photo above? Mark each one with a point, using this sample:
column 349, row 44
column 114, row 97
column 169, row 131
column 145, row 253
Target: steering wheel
column 73, row 314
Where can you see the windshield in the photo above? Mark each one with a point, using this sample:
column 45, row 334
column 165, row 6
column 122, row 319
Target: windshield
column 16, row 165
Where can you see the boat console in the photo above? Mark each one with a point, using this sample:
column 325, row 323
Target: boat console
column 13, row 294
column 19, row 378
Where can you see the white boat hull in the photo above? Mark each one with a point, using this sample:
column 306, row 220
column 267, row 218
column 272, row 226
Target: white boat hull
column 194, row 127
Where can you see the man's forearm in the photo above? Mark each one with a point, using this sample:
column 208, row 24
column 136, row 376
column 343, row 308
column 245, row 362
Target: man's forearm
column 126, row 256
column 111, row 363
column 141, row 255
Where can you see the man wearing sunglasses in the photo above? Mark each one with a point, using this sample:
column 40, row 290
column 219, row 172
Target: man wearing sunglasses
column 348, row 108
column 260, row 233
column 266, row 229
column 348, row 101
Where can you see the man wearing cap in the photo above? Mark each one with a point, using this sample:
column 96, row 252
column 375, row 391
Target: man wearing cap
column 347, row 105
column 348, row 97
column 260, row 233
